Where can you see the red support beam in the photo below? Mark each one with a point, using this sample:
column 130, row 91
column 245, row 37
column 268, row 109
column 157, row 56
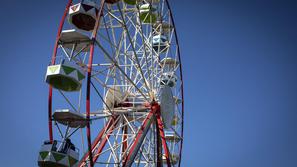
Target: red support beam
column 159, row 146
column 96, row 141
column 103, row 143
column 50, row 123
column 125, row 137
column 88, row 103
column 129, row 159
column 162, row 135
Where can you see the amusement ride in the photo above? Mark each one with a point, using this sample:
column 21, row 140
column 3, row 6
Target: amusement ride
column 115, row 87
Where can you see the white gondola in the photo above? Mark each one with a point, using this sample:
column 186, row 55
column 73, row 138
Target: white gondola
column 167, row 106
column 69, row 118
column 173, row 159
column 168, row 78
column 148, row 14
column 83, row 15
column 160, row 43
column 73, row 39
column 65, row 76
column 58, row 154
column 172, row 136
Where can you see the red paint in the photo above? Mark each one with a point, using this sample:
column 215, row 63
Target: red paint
column 155, row 107
column 50, row 123
column 125, row 142
column 88, row 104
column 103, row 142
column 50, row 96
column 94, row 34
column 162, row 135
column 96, row 141
column 159, row 146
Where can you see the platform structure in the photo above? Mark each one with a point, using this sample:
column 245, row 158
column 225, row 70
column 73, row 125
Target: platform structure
column 75, row 40
column 69, row 118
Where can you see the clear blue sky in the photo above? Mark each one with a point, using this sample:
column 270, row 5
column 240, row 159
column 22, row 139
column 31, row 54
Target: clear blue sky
column 240, row 67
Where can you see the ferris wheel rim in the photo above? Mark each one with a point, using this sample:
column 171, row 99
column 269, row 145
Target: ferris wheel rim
column 181, row 75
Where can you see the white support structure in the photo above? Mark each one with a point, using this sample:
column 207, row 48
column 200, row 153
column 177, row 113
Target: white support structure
column 75, row 40
column 70, row 118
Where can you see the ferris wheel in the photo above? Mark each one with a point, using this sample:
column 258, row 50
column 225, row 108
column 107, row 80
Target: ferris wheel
column 115, row 87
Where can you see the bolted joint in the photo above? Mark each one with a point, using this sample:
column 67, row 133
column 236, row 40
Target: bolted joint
column 155, row 107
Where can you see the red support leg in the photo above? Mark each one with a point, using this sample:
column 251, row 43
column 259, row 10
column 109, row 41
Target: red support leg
column 92, row 48
column 159, row 146
column 97, row 141
column 161, row 131
column 125, row 142
column 103, row 143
